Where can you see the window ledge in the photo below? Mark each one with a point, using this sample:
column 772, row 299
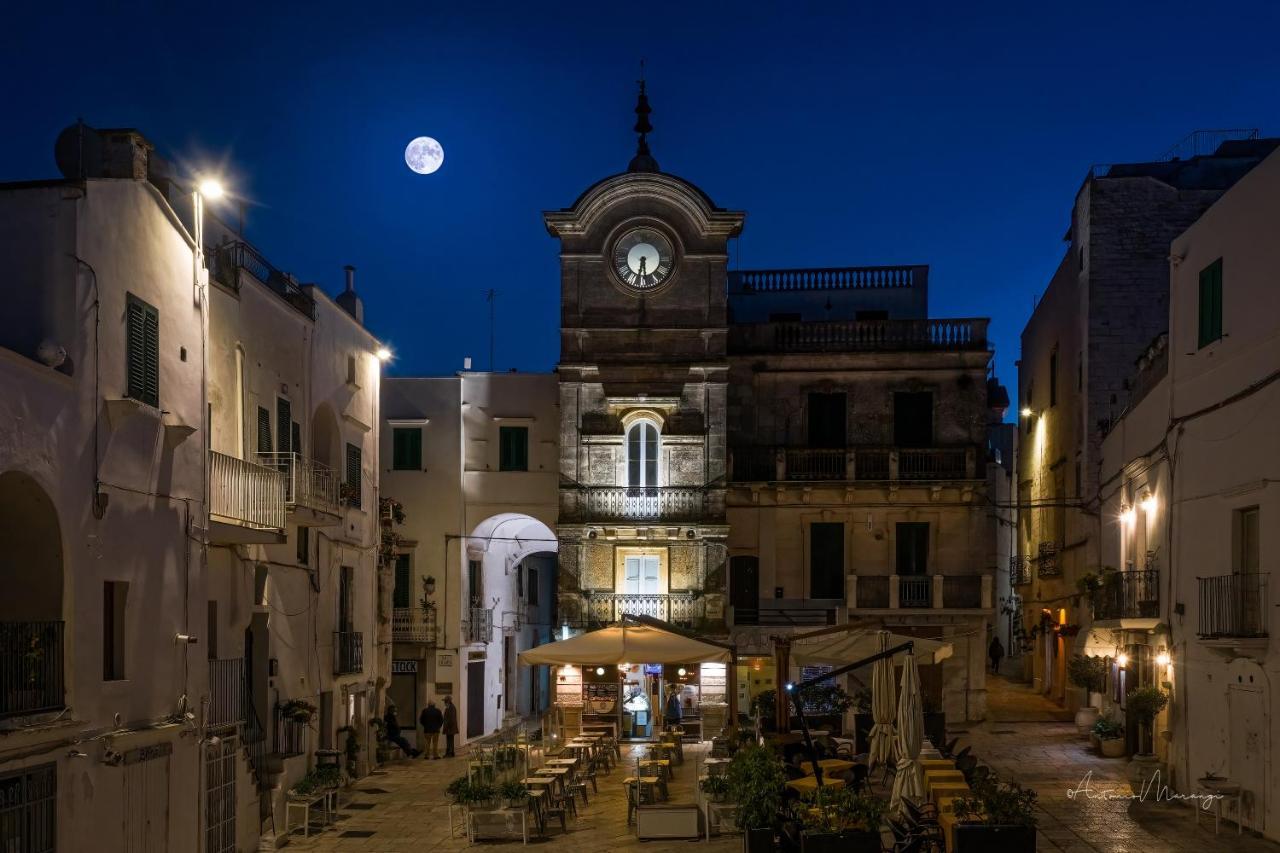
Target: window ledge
column 122, row 409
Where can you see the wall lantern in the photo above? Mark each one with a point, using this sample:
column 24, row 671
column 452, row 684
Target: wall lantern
column 429, row 584
column 1122, row 660
column 1163, row 658
column 599, row 670
column 682, row 672
column 1149, row 503
column 1026, row 412
column 1128, row 514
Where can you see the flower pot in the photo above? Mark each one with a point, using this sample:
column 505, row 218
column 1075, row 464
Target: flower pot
column 1085, row 718
column 980, row 838
column 1143, row 768
column 1095, row 741
column 1113, row 747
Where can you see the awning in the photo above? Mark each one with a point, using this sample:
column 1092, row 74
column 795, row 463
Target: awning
column 856, row 644
column 627, row 643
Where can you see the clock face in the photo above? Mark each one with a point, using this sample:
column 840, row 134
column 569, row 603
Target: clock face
column 643, row 259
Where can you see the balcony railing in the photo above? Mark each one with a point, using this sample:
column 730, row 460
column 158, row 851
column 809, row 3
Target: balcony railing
column 290, row 735
column 227, row 696
column 756, row 463
column 678, row 607
column 1019, row 570
column 348, row 652
column 226, row 261
column 949, row 335
column 1128, row 595
column 414, row 625
column 31, row 677
column 477, row 627
column 915, row 591
column 245, row 493
column 787, row 612
column 921, row 592
column 1233, row 605
column 1047, row 564
column 308, row 483
column 647, row 503
column 830, row 278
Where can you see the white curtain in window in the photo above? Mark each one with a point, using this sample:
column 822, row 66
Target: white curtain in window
column 642, row 454
column 640, row 574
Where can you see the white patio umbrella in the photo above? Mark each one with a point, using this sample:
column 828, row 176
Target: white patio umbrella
column 882, row 707
column 907, row 782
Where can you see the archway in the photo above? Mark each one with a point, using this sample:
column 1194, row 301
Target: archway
column 326, row 437
column 509, row 586
column 30, row 551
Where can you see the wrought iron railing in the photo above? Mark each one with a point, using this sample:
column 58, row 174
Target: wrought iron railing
column 308, row 483
column 946, row 335
column 628, row 503
column 932, row 463
column 1128, row 595
column 1047, row 565
column 227, row 697
column 1233, row 605
column 873, row 591
column 414, row 625
column 679, row 607
column 348, row 652
column 246, row 493
column 290, row 734
column 915, row 591
column 477, row 627
column 31, row 675
column 812, row 463
column 767, row 463
column 225, row 262
column 831, row 278
column 1019, row 570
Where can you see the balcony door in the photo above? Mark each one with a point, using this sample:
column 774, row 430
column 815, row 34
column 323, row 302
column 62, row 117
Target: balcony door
column 912, row 548
column 641, row 574
column 913, row 419
column 826, row 560
column 827, row 420
column 744, row 588
column 642, row 455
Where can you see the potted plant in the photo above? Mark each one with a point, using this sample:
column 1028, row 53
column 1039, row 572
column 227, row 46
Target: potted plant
column 840, row 820
column 715, row 787
column 1089, row 673
column 298, row 710
column 1110, row 737
column 765, row 706
column 998, row 818
column 457, row 790
column 825, row 704
column 1144, row 704
column 513, row 793
column 756, row 780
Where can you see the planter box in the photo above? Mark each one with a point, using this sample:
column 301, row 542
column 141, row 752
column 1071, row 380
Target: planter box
column 758, row 841
column 975, row 838
column 844, row 842
column 663, row 821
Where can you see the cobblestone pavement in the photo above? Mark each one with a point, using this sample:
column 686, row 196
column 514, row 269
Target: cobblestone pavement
column 1052, row 758
column 405, row 810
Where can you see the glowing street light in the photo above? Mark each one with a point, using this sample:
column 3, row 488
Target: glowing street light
column 209, row 188
column 383, row 354
column 1149, row 503
column 1026, row 412
column 1122, row 660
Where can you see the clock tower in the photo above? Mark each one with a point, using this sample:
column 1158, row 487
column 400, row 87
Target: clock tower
column 643, row 372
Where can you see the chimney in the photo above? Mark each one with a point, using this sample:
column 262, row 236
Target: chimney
column 125, row 154
column 349, row 300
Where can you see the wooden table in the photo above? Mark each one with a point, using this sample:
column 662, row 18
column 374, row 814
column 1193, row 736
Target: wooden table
column 562, row 762
column 318, row 800
column 828, row 765
column 544, row 781
column 648, row 781
column 536, row 798
column 810, row 783
column 663, row 765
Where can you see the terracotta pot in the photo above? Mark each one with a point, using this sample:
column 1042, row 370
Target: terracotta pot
column 1085, row 718
column 1113, row 747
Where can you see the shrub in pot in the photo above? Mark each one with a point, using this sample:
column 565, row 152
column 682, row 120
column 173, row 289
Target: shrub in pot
column 1089, row 673
column 1111, row 736
column 840, row 821
column 756, row 779
column 1144, row 704
column 715, row 787
column 998, row 818
column 513, row 793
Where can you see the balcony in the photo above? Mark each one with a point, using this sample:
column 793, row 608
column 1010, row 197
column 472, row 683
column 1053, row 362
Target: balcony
column 1128, row 595
column 1019, row 570
column 1233, row 607
column 853, row 464
column 1047, row 563
column 348, row 652
column 952, row 335
column 680, row 608
column 247, row 502
column 226, row 262
column 310, row 489
column 651, row 503
column 921, row 592
column 227, row 697
column 789, row 612
column 414, row 625
column 477, row 627
column 31, row 677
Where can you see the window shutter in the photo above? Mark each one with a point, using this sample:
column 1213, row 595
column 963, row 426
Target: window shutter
column 1210, row 321
column 406, row 450
column 295, row 437
column 264, row 430
column 402, row 594
column 353, row 474
column 142, row 345
column 513, row 449
column 284, row 420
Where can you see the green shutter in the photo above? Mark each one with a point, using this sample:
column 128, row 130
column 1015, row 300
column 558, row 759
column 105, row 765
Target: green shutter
column 142, row 345
column 284, row 418
column 513, row 448
column 402, row 594
column 406, row 449
column 264, row 430
column 354, row 475
column 1210, row 327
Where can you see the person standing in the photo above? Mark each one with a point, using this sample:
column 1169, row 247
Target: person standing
column 671, row 715
column 450, row 727
column 394, row 734
column 995, row 651
column 432, row 721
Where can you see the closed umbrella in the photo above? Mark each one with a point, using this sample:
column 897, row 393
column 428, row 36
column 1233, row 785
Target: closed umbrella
column 907, row 782
column 882, row 707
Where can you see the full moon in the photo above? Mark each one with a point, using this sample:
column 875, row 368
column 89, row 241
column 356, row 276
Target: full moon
column 424, row 155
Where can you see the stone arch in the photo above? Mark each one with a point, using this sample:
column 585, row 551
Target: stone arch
column 31, row 553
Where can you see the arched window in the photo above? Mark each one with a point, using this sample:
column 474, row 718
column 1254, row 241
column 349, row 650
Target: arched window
column 642, row 454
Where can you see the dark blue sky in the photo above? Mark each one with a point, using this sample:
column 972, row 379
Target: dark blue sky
column 949, row 134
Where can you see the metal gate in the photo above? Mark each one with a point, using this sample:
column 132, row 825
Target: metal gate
column 29, row 810
column 220, row 794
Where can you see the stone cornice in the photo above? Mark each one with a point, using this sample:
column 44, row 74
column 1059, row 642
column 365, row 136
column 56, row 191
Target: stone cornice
column 619, row 189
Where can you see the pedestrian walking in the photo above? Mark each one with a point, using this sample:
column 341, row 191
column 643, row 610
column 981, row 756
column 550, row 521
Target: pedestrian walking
column 450, row 728
column 995, row 651
column 432, row 721
column 394, row 735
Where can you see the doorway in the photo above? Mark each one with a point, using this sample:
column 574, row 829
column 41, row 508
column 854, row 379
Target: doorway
column 1248, row 725
column 744, row 589
column 475, row 698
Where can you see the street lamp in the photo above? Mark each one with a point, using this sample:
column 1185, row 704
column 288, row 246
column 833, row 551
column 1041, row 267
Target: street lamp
column 383, row 354
column 211, row 189
column 1026, row 412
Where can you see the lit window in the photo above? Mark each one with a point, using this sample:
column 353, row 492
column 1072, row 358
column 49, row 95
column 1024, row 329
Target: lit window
column 642, row 454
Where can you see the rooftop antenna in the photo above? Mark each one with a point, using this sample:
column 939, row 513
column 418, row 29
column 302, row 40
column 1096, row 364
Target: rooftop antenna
column 492, row 297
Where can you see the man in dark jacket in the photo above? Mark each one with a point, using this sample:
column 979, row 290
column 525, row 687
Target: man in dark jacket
column 450, row 728
column 995, row 651
column 432, row 721
column 393, row 732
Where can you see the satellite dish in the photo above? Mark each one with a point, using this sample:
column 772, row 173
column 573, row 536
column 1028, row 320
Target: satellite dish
column 78, row 151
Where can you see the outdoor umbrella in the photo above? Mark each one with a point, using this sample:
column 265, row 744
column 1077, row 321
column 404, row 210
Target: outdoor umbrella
column 837, row 647
column 882, row 707
column 907, row 781
column 626, row 643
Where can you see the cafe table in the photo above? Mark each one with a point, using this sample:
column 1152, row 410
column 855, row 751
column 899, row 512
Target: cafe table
column 544, row 782
column 828, row 765
column 810, row 783
column 562, row 762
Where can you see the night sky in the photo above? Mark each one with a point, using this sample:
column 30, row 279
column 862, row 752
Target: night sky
column 949, row 134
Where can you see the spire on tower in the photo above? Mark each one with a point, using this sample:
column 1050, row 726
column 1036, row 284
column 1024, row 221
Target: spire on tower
column 643, row 161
